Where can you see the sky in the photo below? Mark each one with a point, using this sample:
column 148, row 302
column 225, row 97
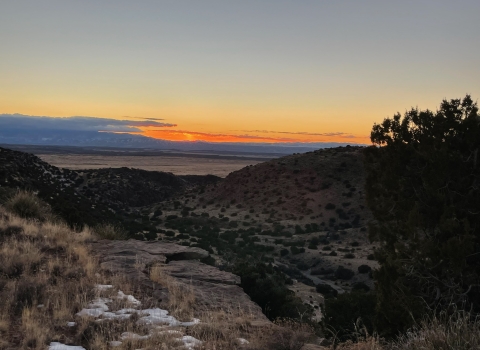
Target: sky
column 237, row 71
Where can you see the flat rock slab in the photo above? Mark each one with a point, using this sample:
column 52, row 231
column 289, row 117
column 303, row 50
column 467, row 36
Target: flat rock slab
column 139, row 250
column 193, row 270
column 214, row 290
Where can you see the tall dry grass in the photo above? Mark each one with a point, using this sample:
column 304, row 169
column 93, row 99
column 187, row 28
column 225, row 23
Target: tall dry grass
column 46, row 276
column 26, row 205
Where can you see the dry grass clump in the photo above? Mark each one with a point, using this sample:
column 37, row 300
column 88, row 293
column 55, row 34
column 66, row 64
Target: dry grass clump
column 181, row 298
column 460, row 330
column 110, row 231
column 26, row 205
column 286, row 334
column 370, row 343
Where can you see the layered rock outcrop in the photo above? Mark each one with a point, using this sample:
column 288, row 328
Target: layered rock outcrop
column 214, row 290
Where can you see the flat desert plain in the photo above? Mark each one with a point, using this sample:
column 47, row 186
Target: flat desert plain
column 177, row 165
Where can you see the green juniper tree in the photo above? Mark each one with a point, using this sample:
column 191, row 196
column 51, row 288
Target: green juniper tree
column 423, row 187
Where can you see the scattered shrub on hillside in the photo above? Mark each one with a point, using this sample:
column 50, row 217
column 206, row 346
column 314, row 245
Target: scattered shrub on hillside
column 344, row 273
column 302, row 266
column 284, row 252
column 326, row 290
column 266, row 286
column 364, row 269
column 295, row 250
column 330, row 206
column 360, row 286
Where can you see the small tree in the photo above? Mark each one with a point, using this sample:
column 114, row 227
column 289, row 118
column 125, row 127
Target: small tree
column 423, row 187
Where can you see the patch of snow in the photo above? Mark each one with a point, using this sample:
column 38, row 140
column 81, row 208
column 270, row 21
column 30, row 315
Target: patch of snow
column 130, row 298
column 133, row 336
column 115, row 343
column 71, row 324
column 191, row 323
column 157, row 316
column 126, row 311
column 190, row 342
column 243, row 341
column 60, row 346
column 103, row 287
column 90, row 312
column 171, row 331
column 99, row 303
column 114, row 316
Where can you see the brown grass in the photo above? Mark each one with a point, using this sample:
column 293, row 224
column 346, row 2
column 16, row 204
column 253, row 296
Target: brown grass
column 28, row 206
column 46, row 276
column 181, row 297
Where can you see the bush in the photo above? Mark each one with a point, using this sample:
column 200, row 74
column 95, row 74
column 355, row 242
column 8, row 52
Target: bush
column 326, row 290
column 110, row 231
column 284, row 252
column 361, row 286
column 330, row 206
column 28, row 206
column 348, row 313
column 266, row 286
column 344, row 273
column 302, row 266
column 322, row 271
column 364, row 269
column 296, row 250
column 424, row 165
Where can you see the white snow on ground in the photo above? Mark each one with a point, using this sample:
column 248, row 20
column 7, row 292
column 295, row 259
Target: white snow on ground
column 133, row 336
column 190, row 342
column 243, row 341
column 160, row 316
column 59, row 346
column 156, row 318
column 115, row 343
column 103, row 287
column 130, row 298
column 71, row 324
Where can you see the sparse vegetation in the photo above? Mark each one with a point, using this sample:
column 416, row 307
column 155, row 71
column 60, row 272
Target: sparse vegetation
column 28, row 206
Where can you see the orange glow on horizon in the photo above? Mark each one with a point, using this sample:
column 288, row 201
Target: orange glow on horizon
column 181, row 135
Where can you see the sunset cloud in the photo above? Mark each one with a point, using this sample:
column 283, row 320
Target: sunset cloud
column 76, row 123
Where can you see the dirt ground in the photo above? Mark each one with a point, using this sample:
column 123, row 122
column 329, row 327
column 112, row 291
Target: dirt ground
column 175, row 165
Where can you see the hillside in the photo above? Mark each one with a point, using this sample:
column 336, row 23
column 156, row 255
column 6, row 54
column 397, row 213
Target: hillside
column 322, row 185
column 91, row 196
column 304, row 214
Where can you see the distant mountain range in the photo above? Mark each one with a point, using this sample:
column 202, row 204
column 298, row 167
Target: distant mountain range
column 18, row 136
